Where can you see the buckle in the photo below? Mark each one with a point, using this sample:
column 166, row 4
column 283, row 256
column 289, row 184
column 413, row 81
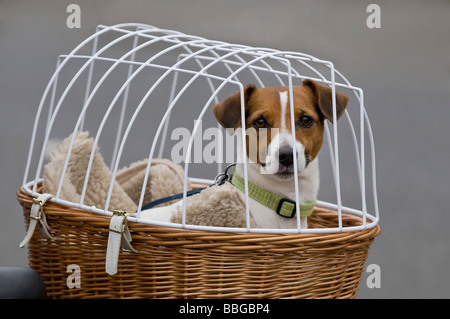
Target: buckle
column 41, row 209
column 123, row 214
column 280, row 206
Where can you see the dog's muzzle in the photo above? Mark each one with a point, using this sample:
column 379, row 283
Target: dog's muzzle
column 286, row 157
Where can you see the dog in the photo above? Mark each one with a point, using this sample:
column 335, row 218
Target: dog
column 271, row 169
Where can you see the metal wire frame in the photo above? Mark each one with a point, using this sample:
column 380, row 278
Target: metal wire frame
column 220, row 53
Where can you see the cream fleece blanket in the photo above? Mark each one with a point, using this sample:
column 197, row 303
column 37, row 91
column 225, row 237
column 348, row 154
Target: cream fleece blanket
column 214, row 206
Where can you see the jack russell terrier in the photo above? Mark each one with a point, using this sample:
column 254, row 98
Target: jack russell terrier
column 271, row 170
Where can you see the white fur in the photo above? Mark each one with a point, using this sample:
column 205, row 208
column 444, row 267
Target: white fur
column 283, row 103
column 308, row 177
column 308, row 180
column 308, row 186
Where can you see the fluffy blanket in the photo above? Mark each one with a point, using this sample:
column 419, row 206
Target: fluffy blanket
column 214, row 206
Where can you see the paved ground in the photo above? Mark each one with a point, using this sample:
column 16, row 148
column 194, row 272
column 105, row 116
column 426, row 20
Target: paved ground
column 403, row 68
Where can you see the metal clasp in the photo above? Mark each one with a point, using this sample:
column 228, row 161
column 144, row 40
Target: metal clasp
column 124, row 222
column 224, row 177
column 41, row 209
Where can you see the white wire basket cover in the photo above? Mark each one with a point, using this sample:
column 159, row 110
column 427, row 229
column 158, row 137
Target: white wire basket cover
column 131, row 84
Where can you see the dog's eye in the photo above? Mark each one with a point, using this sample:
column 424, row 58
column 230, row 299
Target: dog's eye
column 260, row 123
column 306, row 121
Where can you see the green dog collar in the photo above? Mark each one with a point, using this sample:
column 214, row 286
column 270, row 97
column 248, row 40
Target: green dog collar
column 282, row 206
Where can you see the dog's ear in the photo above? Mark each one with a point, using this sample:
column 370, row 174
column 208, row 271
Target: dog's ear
column 228, row 112
column 324, row 101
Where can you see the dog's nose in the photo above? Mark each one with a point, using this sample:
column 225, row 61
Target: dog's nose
column 285, row 156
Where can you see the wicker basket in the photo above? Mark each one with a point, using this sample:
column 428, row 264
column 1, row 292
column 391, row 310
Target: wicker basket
column 180, row 263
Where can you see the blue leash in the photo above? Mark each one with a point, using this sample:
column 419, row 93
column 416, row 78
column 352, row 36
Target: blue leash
column 172, row 197
column 219, row 180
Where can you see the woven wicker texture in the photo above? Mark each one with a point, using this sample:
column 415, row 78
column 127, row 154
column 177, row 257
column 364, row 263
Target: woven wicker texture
column 180, row 263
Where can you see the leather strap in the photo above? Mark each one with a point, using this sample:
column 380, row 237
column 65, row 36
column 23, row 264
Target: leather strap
column 119, row 236
column 37, row 216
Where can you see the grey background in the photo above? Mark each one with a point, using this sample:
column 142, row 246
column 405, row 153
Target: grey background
column 403, row 68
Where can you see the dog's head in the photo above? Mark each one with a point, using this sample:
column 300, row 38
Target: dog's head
column 268, row 123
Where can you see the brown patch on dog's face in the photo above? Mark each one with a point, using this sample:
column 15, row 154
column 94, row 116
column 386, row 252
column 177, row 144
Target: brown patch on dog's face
column 265, row 109
column 261, row 118
column 308, row 122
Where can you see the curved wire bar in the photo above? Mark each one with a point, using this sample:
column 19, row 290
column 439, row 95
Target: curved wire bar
column 194, row 49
